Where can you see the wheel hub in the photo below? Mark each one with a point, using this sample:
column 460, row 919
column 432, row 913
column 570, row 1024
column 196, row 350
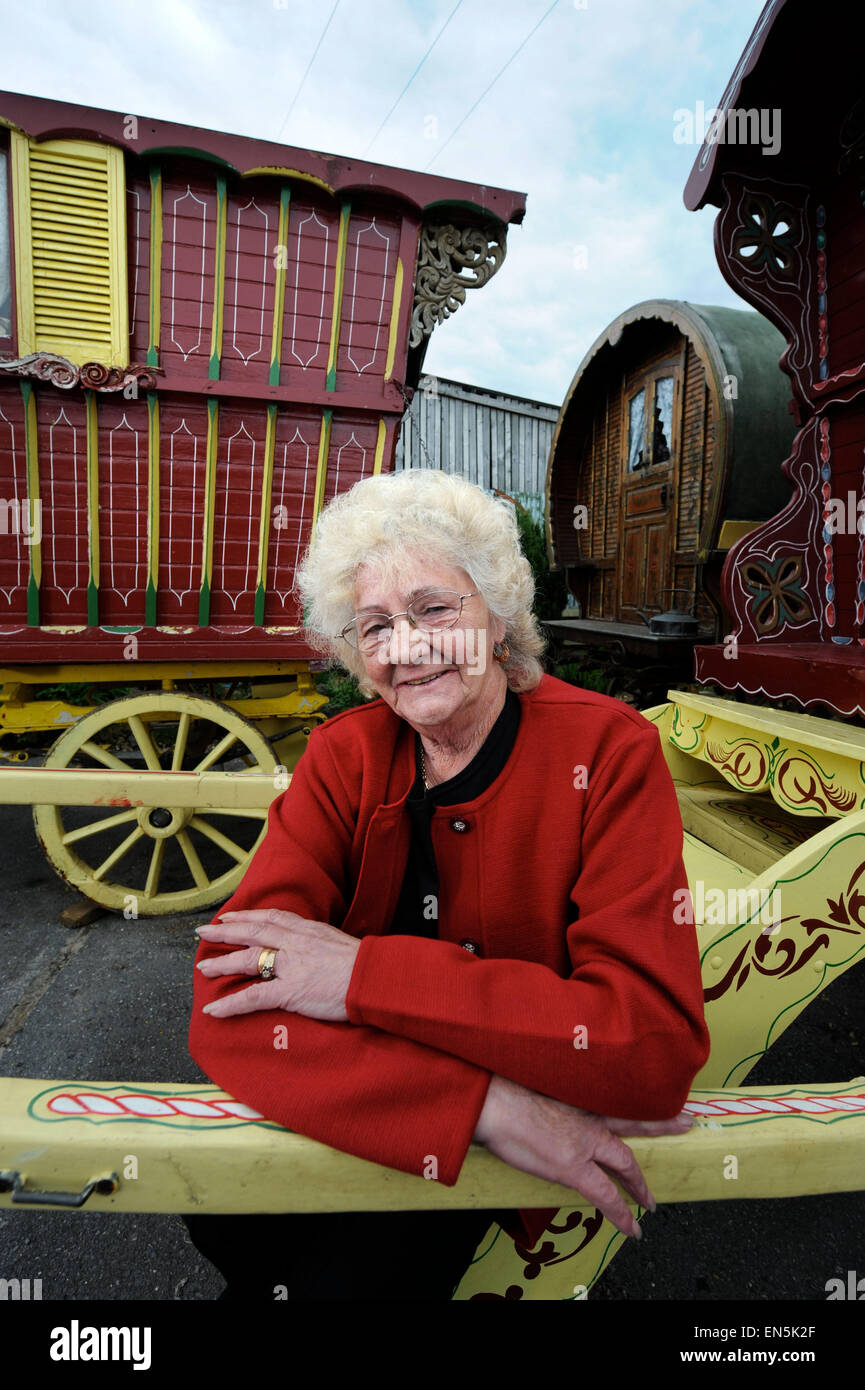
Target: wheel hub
column 161, row 822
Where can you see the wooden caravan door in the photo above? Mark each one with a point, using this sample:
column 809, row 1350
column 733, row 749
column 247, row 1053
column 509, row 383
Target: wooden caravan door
column 651, row 409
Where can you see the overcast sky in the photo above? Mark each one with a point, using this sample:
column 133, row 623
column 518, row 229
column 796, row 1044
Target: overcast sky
column 581, row 120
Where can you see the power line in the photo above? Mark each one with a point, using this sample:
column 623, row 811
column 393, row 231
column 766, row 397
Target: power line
column 412, row 78
column 306, row 74
column 493, row 83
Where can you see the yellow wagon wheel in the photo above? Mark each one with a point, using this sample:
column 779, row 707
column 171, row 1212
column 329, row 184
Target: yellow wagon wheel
column 146, row 861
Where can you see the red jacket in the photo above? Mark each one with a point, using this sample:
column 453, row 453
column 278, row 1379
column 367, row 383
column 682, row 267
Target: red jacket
column 563, row 872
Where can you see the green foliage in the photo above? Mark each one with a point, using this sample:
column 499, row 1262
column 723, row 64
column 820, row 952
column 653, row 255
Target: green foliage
column 83, row 693
column 586, row 677
column 341, row 689
column 551, row 594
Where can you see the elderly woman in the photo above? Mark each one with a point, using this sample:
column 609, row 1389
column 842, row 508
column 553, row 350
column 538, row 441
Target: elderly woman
column 462, row 911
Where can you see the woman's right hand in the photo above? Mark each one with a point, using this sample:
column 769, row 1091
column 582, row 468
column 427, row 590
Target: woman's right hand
column 562, row 1144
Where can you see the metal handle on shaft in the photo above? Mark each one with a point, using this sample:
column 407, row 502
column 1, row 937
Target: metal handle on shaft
column 35, row 1197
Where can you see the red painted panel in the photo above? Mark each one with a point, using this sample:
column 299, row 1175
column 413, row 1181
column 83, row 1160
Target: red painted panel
column 62, row 448
column 373, row 241
column 239, row 473
column 250, row 274
column 183, row 464
column 188, row 261
column 122, row 435
column 352, row 452
column 14, row 552
column 313, row 226
column 292, row 495
column 19, row 643
column 138, row 260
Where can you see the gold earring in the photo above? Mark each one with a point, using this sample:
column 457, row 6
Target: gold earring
column 502, row 654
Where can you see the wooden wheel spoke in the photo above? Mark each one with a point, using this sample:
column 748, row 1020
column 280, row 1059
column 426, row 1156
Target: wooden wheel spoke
column 116, row 855
column 97, row 826
column 196, row 868
column 211, row 833
column 180, row 742
column 141, row 734
column 103, row 756
column 218, row 752
column 154, row 873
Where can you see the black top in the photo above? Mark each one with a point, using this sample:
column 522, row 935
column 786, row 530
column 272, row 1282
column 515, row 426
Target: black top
column 417, row 910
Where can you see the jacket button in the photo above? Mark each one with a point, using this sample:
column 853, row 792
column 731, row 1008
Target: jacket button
column 460, row 826
column 469, row 945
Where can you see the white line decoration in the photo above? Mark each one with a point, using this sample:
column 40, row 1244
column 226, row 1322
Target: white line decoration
column 347, row 445
column 190, row 213
column 280, row 530
column 247, row 358
column 374, row 231
column 311, row 217
column 4, row 420
column 115, row 511
column 79, row 570
column 174, row 547
column 245, row 488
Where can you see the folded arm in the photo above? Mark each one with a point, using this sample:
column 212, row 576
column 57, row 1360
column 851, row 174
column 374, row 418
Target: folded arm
column 625, row 1033
column 356, row 1088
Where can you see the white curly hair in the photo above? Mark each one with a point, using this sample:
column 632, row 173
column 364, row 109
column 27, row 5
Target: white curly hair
column 440, row 518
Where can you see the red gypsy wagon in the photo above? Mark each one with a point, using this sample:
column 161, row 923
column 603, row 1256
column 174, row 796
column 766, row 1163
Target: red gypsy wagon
column 203, row 338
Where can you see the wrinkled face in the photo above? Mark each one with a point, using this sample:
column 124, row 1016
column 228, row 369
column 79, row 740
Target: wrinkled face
column 433, row 678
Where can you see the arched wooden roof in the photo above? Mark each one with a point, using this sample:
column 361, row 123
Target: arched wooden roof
column 755, row 427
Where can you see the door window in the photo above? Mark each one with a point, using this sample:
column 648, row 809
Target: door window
column 636, row 432
column 662, row 436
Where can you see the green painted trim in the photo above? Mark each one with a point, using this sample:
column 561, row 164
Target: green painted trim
column 218, row 280
column 339, row 280
column 209, row 512
column 31, row 454
column 155, row 295
column 189, row 152
column 92, row 418
column 279, row 288
column 264, row 519
column 152, row 509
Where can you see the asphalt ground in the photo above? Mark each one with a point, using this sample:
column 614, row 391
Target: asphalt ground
column 110, row 1001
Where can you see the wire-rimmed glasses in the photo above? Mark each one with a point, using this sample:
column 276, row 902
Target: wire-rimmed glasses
column 431, row 612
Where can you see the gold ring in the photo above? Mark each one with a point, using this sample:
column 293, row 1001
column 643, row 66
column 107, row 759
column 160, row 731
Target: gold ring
column 266, row 963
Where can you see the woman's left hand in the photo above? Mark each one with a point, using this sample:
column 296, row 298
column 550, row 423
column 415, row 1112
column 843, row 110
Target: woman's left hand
column 312, row 968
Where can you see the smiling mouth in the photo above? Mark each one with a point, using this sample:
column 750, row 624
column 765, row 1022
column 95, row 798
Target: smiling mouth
column 427, row 680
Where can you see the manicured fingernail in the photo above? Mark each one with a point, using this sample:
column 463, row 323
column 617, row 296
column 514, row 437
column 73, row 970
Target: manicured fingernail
column 652, row 1203
column 207, row 1008
column 637, row 1232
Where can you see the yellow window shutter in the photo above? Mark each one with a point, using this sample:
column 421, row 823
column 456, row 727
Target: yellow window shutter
column 70, row 250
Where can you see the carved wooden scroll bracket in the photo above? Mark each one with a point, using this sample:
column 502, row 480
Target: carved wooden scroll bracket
column 451, row 260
